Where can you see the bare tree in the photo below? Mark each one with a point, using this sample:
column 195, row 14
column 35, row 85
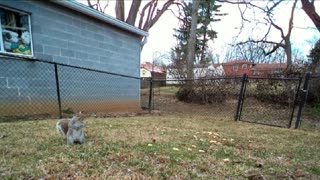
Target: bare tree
column 192, row 39
column 97, row 5
column 309, row 8
column 269, row 16
column 254, row 52
column 149, row 14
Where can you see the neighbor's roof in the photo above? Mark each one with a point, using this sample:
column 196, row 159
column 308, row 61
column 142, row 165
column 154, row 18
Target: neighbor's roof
column 267, row 66
column 237, row 62
column 157, row 69
column 72, row 4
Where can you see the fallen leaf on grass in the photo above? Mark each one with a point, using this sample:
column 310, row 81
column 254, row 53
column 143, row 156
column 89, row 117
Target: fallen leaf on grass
column 226, row 160
column 215, row 142
column 195, row 137
column 216, row 134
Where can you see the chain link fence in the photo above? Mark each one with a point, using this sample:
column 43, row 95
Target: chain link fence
column 36, row 89
column 311, row 111
column 270, row 101
column 262, row 100
column 214, row 97
column 27, row 89
column 95, row 91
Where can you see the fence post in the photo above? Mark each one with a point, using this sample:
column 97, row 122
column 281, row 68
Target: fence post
column 295, row 102
column 150, row 95
column 240, row 98
column 58, row 88
column 304, row 93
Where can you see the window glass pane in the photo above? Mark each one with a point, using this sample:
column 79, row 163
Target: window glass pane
column 235, row 67
column 15, row 32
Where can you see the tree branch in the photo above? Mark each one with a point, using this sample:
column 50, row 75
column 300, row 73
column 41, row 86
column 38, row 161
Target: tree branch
column 309, row 8
column 143, row 12
column 120, row 10
column 133, row 12
column 154, row 19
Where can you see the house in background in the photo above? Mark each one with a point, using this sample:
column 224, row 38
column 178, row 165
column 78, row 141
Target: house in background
column 147, row 69
column 216, row 70
column 266, row 69
column 70, row 33
column 199, row 71
column 238, row 67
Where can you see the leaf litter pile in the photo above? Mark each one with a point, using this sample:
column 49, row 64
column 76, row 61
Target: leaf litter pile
column 159, row 147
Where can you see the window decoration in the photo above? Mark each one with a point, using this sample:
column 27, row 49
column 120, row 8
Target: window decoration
column 16, row 32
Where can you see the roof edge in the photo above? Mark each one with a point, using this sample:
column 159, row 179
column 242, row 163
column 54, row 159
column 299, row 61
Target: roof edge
column 98, row 15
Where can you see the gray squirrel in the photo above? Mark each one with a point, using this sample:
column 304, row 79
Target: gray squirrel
column 72, row 128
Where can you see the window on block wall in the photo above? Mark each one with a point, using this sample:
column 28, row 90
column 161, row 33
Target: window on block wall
column 16, row 32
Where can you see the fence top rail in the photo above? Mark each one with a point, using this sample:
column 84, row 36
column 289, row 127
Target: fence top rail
column 315, row 77
column 197, row 79
column 33, row 59
column 273, row 78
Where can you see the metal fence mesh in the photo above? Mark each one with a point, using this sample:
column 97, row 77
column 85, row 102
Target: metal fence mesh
column 311, row 112
column 31, row 89
column 26, row 88
column 90, row 91
column 216, row 97
column 269, row 100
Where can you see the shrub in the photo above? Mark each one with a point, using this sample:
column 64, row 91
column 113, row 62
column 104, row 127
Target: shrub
column 185, row 94
column 278, row 92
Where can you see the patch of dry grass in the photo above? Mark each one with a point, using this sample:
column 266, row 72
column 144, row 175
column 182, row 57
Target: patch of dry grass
column 159, row 147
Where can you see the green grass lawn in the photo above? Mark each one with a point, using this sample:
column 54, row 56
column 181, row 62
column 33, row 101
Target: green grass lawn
column 159, row 147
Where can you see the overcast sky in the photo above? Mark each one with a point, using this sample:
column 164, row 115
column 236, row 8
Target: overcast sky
column 161, row 39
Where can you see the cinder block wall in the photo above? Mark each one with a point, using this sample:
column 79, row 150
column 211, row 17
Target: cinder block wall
column 66, row 36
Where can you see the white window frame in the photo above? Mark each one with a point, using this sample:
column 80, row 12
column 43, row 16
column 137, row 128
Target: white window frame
column 2, row 50
column 244, row 66
column 235, row 67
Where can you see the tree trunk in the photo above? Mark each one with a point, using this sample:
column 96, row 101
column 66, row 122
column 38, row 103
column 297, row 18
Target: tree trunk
column 310, row 10
column 134, row 9
column 203, row 49
column 192, row 39
column 288, row 51
column 120, row 10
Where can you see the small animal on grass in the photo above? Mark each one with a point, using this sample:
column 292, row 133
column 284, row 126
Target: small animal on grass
column 72, row 128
